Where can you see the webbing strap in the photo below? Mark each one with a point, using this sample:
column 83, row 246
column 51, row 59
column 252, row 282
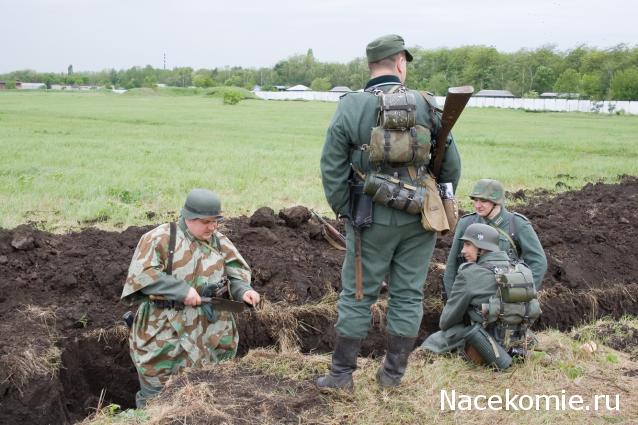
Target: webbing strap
column 171, row 248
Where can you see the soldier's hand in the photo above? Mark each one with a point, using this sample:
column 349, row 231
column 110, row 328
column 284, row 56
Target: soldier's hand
column 251, row 297
column 192, row 298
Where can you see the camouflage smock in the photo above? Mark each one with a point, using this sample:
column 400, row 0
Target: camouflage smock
column 165, row 340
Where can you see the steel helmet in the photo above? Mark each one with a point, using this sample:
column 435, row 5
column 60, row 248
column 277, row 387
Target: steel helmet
column 482, row 236
column 490, row 190
column 202, row 203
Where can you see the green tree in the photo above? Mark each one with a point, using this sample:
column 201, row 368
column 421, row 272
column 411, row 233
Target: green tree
column 235, row 81
column 202, row 80
column 438, row 84
column 568, row 82
column 591, row 86
column 624, row 85
column 320, row 84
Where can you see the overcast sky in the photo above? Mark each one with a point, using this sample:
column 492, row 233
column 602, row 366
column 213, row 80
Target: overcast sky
column 48, row 35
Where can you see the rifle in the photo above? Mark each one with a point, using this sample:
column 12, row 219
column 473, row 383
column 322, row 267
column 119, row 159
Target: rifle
column 455, row 101
column 222, row 304
column 332, row 235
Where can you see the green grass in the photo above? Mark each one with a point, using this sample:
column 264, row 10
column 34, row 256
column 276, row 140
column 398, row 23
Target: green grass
column 72, row 159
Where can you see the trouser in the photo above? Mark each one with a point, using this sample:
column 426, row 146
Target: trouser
column 149, row 388
column 402, row 252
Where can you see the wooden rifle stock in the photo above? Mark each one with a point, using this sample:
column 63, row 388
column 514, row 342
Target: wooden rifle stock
column 331, row 234
column 455, row 101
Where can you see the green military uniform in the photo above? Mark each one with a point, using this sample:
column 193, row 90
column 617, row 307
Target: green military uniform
column 473, row 286
column 165, row 340
column 396, row 243
column 392, row 242
column 529, row 246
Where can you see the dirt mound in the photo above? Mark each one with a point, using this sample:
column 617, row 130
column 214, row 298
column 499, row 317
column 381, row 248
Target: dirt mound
column 238, row 395
column 60, row 310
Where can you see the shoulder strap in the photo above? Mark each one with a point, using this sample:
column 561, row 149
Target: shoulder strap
column 171, row 248
column 509, row 238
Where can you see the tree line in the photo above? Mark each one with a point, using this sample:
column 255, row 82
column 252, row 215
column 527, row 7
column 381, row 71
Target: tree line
column 590, row 73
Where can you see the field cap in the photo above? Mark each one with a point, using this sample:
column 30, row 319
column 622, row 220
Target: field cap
column 385, row 46
column 202, row 203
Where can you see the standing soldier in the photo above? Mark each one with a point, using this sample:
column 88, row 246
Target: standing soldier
column 378, row 148
column 516, row 234
column 179, row 263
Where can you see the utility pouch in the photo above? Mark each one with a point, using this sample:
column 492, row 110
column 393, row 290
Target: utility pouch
column 517, row 286
column 511, row 313
column 397, row 110
column 433, row 216
column 361, row 206
column 400, row 146
column 393, row 193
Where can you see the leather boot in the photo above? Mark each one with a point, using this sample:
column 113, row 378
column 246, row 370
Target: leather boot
column 344, row 362
column 396, row 360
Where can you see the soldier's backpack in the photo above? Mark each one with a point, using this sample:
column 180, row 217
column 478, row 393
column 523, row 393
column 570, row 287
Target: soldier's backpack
column 514, row 308
column 399, row 147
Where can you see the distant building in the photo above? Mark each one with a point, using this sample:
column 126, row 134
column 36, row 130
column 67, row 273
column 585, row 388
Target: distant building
column 30, row 86
column 280, row 88
column 340, row 89
column 494, row 93
column 298, row 87
column 552, row 95
column 3, row 85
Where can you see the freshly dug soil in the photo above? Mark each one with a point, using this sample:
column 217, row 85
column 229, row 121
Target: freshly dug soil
column 60, row 309
column 239, row 395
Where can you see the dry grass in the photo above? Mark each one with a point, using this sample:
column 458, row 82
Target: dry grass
column 34, row 313
column 32, row 362
column 118, row 333
column 557, row 367
column 286, row 321
column 35, row 356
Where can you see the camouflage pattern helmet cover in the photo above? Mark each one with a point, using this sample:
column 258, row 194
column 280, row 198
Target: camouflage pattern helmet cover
column 482, row 236
column 490, row 190
column 386, row 46
column 202, row 203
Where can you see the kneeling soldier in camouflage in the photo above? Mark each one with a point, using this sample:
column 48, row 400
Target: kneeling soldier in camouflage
column 173, row 266
column 491, row 306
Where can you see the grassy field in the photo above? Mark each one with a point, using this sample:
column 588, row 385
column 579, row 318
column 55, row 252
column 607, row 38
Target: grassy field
column 75, row 159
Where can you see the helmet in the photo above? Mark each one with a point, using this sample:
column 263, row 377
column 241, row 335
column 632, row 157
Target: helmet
column 491, row 190
column 202, row 203
column 482, row 236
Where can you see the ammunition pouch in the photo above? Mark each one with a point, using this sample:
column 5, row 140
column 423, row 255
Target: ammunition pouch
column 361, row 206
column 393, row 193
column 487, row 348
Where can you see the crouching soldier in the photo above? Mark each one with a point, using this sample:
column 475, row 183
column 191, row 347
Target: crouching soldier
column 491, row 306
column 173, row 266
